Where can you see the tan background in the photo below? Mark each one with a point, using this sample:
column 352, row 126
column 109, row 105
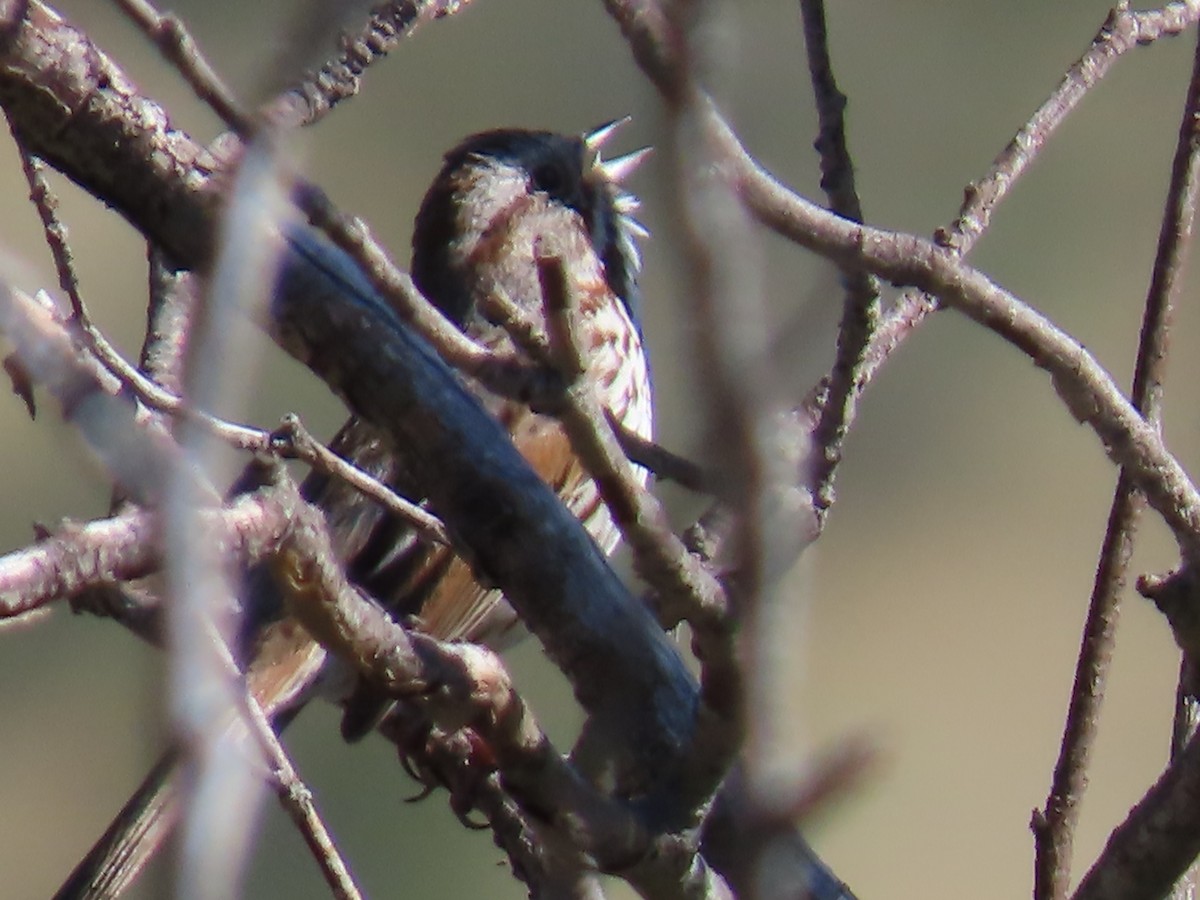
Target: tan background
column 943, row 606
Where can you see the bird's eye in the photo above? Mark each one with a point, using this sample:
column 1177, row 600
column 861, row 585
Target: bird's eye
column 549, row 178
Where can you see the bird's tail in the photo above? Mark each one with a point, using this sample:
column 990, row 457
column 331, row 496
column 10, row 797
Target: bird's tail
column 132, row 839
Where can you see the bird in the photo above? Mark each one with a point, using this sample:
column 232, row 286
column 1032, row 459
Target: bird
column 499, row 198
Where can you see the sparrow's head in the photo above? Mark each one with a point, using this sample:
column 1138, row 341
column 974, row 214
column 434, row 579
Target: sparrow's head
column 492, row 179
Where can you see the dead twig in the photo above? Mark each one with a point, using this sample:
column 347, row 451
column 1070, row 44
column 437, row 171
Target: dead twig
column 1054, row 825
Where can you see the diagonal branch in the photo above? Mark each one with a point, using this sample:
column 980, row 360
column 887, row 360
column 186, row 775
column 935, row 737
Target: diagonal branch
column 860, row 308
column 168, row 33
column 1157, row 841
column 339, row 79
column 1080, row 381
column 625, row 672
column 1089, row 392
column 1054, row 826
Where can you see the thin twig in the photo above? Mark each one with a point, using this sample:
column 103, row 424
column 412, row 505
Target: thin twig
column 740, row 402
column 144, row 388
column 336, row 82
column 833, row 774
column 348, row 232
column 644, row 26
column 55, row 233
column 860, row 309
column 290, row 438
column 339, row 79
column 175, row 43
column 1082, row 383
column 727, row 299
column 316, row 95
column 222, row 791
column 665, row 464
column 508, row 377
column 685, row 589
column 297, row 800
column 1122, row 31
column 455, row 684
column 1156, row 843
column 46, row 203
column 174, row 298
column 137, row 452
column 137, row 610
column 1054, row 827
column 293, row 794
column 776, row 207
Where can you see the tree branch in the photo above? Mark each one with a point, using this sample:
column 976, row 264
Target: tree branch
column 89, row 121
column 1054, row 826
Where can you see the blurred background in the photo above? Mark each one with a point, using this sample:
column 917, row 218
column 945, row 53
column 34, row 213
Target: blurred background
column 940, row 614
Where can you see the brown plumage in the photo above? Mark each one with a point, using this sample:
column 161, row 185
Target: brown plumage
column 498, row 194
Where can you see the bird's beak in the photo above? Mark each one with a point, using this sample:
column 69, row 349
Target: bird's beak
column 597, row 137
column 619, row 168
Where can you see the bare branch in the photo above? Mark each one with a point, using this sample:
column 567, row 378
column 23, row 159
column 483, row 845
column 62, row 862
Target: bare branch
column 740, row 406
column 293, row 794
column 776, row 207
column 1122, row 31
column 860, row 309
column 459, row 685
column 1054, row 829
column 124, row 548
column 163, row 352
column 665, row 464
column 292, row 440
column 685, row 589
column 507, row 377
column 174, row 295
column 1080, row 381
column 136, row 456
column 1156, row 843
column 172, row 39
column 727, row 299
column 222, row 791
column 456, row 685
column 297, row 800
column 132, row 545
column 55, row 232
column 338, row 80
column 328, row 315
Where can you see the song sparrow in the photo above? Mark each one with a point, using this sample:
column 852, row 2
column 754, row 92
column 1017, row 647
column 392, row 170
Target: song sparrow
column 498, row 194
